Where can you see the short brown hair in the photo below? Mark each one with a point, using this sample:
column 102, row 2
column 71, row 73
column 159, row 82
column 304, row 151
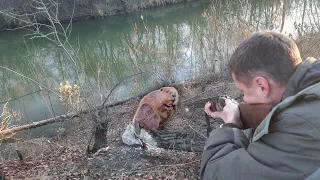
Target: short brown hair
column 265, row 53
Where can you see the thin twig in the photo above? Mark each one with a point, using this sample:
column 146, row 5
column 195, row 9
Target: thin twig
column 205, row 92
column 195, row 130
column 304, row 53
column 9, row 100
column 40, row 85
column 114, row 87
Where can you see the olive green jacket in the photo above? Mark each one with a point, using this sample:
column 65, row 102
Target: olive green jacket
column 286, row 145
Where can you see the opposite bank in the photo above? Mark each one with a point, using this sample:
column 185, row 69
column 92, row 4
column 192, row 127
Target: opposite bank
column 18, row 13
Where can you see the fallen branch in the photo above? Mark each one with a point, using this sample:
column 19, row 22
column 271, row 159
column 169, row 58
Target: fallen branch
column 64, row 117
column 37, row 124
column 70, row 115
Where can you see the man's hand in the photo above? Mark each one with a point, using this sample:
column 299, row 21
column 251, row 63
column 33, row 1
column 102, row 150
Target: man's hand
column 229, row 114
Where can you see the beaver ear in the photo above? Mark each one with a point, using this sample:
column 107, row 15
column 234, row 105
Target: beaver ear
column 147, row 118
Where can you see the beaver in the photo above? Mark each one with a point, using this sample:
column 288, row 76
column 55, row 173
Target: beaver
column 155, row 109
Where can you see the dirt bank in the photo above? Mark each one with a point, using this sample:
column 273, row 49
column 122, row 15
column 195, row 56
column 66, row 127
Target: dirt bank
column 16, row 13
column 64, row 156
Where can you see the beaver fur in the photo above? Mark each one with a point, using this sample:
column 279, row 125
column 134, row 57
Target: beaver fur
column 155, row 109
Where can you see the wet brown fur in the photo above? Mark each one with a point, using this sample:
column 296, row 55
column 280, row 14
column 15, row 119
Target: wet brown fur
column 156, row 108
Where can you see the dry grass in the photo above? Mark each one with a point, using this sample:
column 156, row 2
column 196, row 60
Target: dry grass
column 309, row 45
column 7, row 116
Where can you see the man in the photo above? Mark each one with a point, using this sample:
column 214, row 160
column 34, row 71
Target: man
column 267, row 68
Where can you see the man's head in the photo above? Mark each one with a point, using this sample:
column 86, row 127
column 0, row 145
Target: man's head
column 262, row 65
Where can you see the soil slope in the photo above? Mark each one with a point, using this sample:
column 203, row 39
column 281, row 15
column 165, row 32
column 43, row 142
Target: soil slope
column 65, row 157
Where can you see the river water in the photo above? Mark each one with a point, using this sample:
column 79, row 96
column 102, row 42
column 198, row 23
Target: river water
column 147, row 48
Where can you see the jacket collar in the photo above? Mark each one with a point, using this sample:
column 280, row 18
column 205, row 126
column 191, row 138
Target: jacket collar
column 263, row 128
column 297, row 77
column 288, row 98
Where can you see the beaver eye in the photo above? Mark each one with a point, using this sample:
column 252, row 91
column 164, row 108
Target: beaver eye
column 161, row 89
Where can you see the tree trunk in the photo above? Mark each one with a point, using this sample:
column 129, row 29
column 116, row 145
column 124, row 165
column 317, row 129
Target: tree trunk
column 100, row 133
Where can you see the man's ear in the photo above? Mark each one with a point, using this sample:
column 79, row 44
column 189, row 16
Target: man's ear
column 263, row 84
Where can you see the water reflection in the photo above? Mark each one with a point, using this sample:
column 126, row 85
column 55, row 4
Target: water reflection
column 173, row 43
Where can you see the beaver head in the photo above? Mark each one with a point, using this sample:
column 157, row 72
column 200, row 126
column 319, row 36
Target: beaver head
column 156, row 107
column 169, row 96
